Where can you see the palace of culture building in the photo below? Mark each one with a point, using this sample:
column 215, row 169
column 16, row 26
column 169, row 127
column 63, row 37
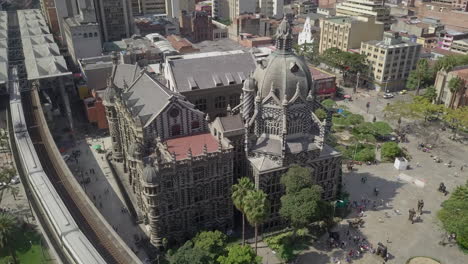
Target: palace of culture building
column 181, row 166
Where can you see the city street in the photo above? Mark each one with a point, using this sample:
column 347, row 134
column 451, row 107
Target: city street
column 399, row 191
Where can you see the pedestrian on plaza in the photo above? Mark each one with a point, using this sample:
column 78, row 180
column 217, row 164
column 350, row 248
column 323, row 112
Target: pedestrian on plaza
column 461, row 168
column 420, row 206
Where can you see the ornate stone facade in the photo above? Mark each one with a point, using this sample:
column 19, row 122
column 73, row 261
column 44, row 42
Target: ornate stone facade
column 181, row 167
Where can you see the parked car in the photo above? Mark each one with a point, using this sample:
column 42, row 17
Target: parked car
column 66, row 157
column 388, row 95
column 403, row 91
column 15, row 180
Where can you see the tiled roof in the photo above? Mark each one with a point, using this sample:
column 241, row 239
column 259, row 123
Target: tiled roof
column 195, row 143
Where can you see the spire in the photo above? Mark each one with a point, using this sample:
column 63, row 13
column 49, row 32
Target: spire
column 310, row 96
column 205, row 149
column 189, row 153
column 284, row 35
column 220, row 145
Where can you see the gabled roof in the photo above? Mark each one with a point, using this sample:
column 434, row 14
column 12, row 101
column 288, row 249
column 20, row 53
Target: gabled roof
column 211, row 71
column 146, row 98
column 125, row 73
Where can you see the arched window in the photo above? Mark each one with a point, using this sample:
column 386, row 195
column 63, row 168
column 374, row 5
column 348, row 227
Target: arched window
column 220, row 102
column 95, row 34
column 234, row 100
column 295, row 126
column 85, row 35
column 271, row 127
column 200, row 104
column 175, row 130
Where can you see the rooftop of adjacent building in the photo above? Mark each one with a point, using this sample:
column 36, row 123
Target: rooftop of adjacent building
column 196, row 143
column 208, row 70
column 42, row 55
column 390, row 40
column 96, row 62
column 462, row 41
column 224, row 44
column 178, row 42
column 343, row 20
column 319, row 74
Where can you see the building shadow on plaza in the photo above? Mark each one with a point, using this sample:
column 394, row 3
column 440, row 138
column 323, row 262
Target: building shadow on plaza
column 362, row 188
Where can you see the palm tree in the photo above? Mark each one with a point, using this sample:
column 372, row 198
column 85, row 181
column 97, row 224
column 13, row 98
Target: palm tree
column 239, row 191
column 7, row 228
column 256, row 208
column 455, row 85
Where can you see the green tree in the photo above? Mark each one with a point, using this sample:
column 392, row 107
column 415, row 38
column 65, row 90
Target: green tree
column 381, row 128
column 456, row 118
column 447, row 63
column 366, row 154
column 238, row 254
column 309, row 51
column 239, row 191
column 8, row 226
column 420, row 77
column 301, row 207
column 321, row 114
column 296, row 178
column 430, row 93
column 328, row 103
column 256, row 208
column 454, row 215
column 187, row 254
column 212, row 243
column 455, row 85
column 390, row 150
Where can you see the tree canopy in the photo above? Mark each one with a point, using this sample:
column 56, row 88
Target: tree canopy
column 296, row 178
column 421, row 77
column 390, row 150
column 205, row 248
column 328, row 103
column 454, row 214
column 310, row 51
column 301, row 207
column 187, row 254
column 213, row 243
column 345, row 61
column 238, row 254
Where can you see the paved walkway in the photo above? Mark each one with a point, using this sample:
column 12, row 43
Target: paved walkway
column 399, row 192
column 92, row 171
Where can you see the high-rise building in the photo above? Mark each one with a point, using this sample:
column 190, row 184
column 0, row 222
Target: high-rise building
column 239, row 7
column 391, row 60
column 173, row 8
column 271, row 8
column 55, row 11
column 148, row 7
column 82, row 33
column 374, row 8
column 347, row 33
column 115, row 18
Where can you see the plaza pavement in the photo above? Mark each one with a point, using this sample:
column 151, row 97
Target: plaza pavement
column 400, row 191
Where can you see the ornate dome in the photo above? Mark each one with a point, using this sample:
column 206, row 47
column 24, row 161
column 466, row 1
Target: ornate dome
column 135, row 150
column 283, row 73
column 150, row 175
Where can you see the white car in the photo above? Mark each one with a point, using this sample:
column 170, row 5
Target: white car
column 15, row 180
column 388, row 95
column 66, row 157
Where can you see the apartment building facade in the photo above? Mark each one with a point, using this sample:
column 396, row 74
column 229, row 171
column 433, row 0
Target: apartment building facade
column 374, row 8
column 391, row 61
column 115, row 18
column 347, row 33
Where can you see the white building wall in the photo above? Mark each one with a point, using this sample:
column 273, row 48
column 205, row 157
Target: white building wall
column 84, row 47
column 173, row 8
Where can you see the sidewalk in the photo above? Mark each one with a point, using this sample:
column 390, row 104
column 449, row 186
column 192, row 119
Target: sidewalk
column 92, row 171
column 268, row 256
